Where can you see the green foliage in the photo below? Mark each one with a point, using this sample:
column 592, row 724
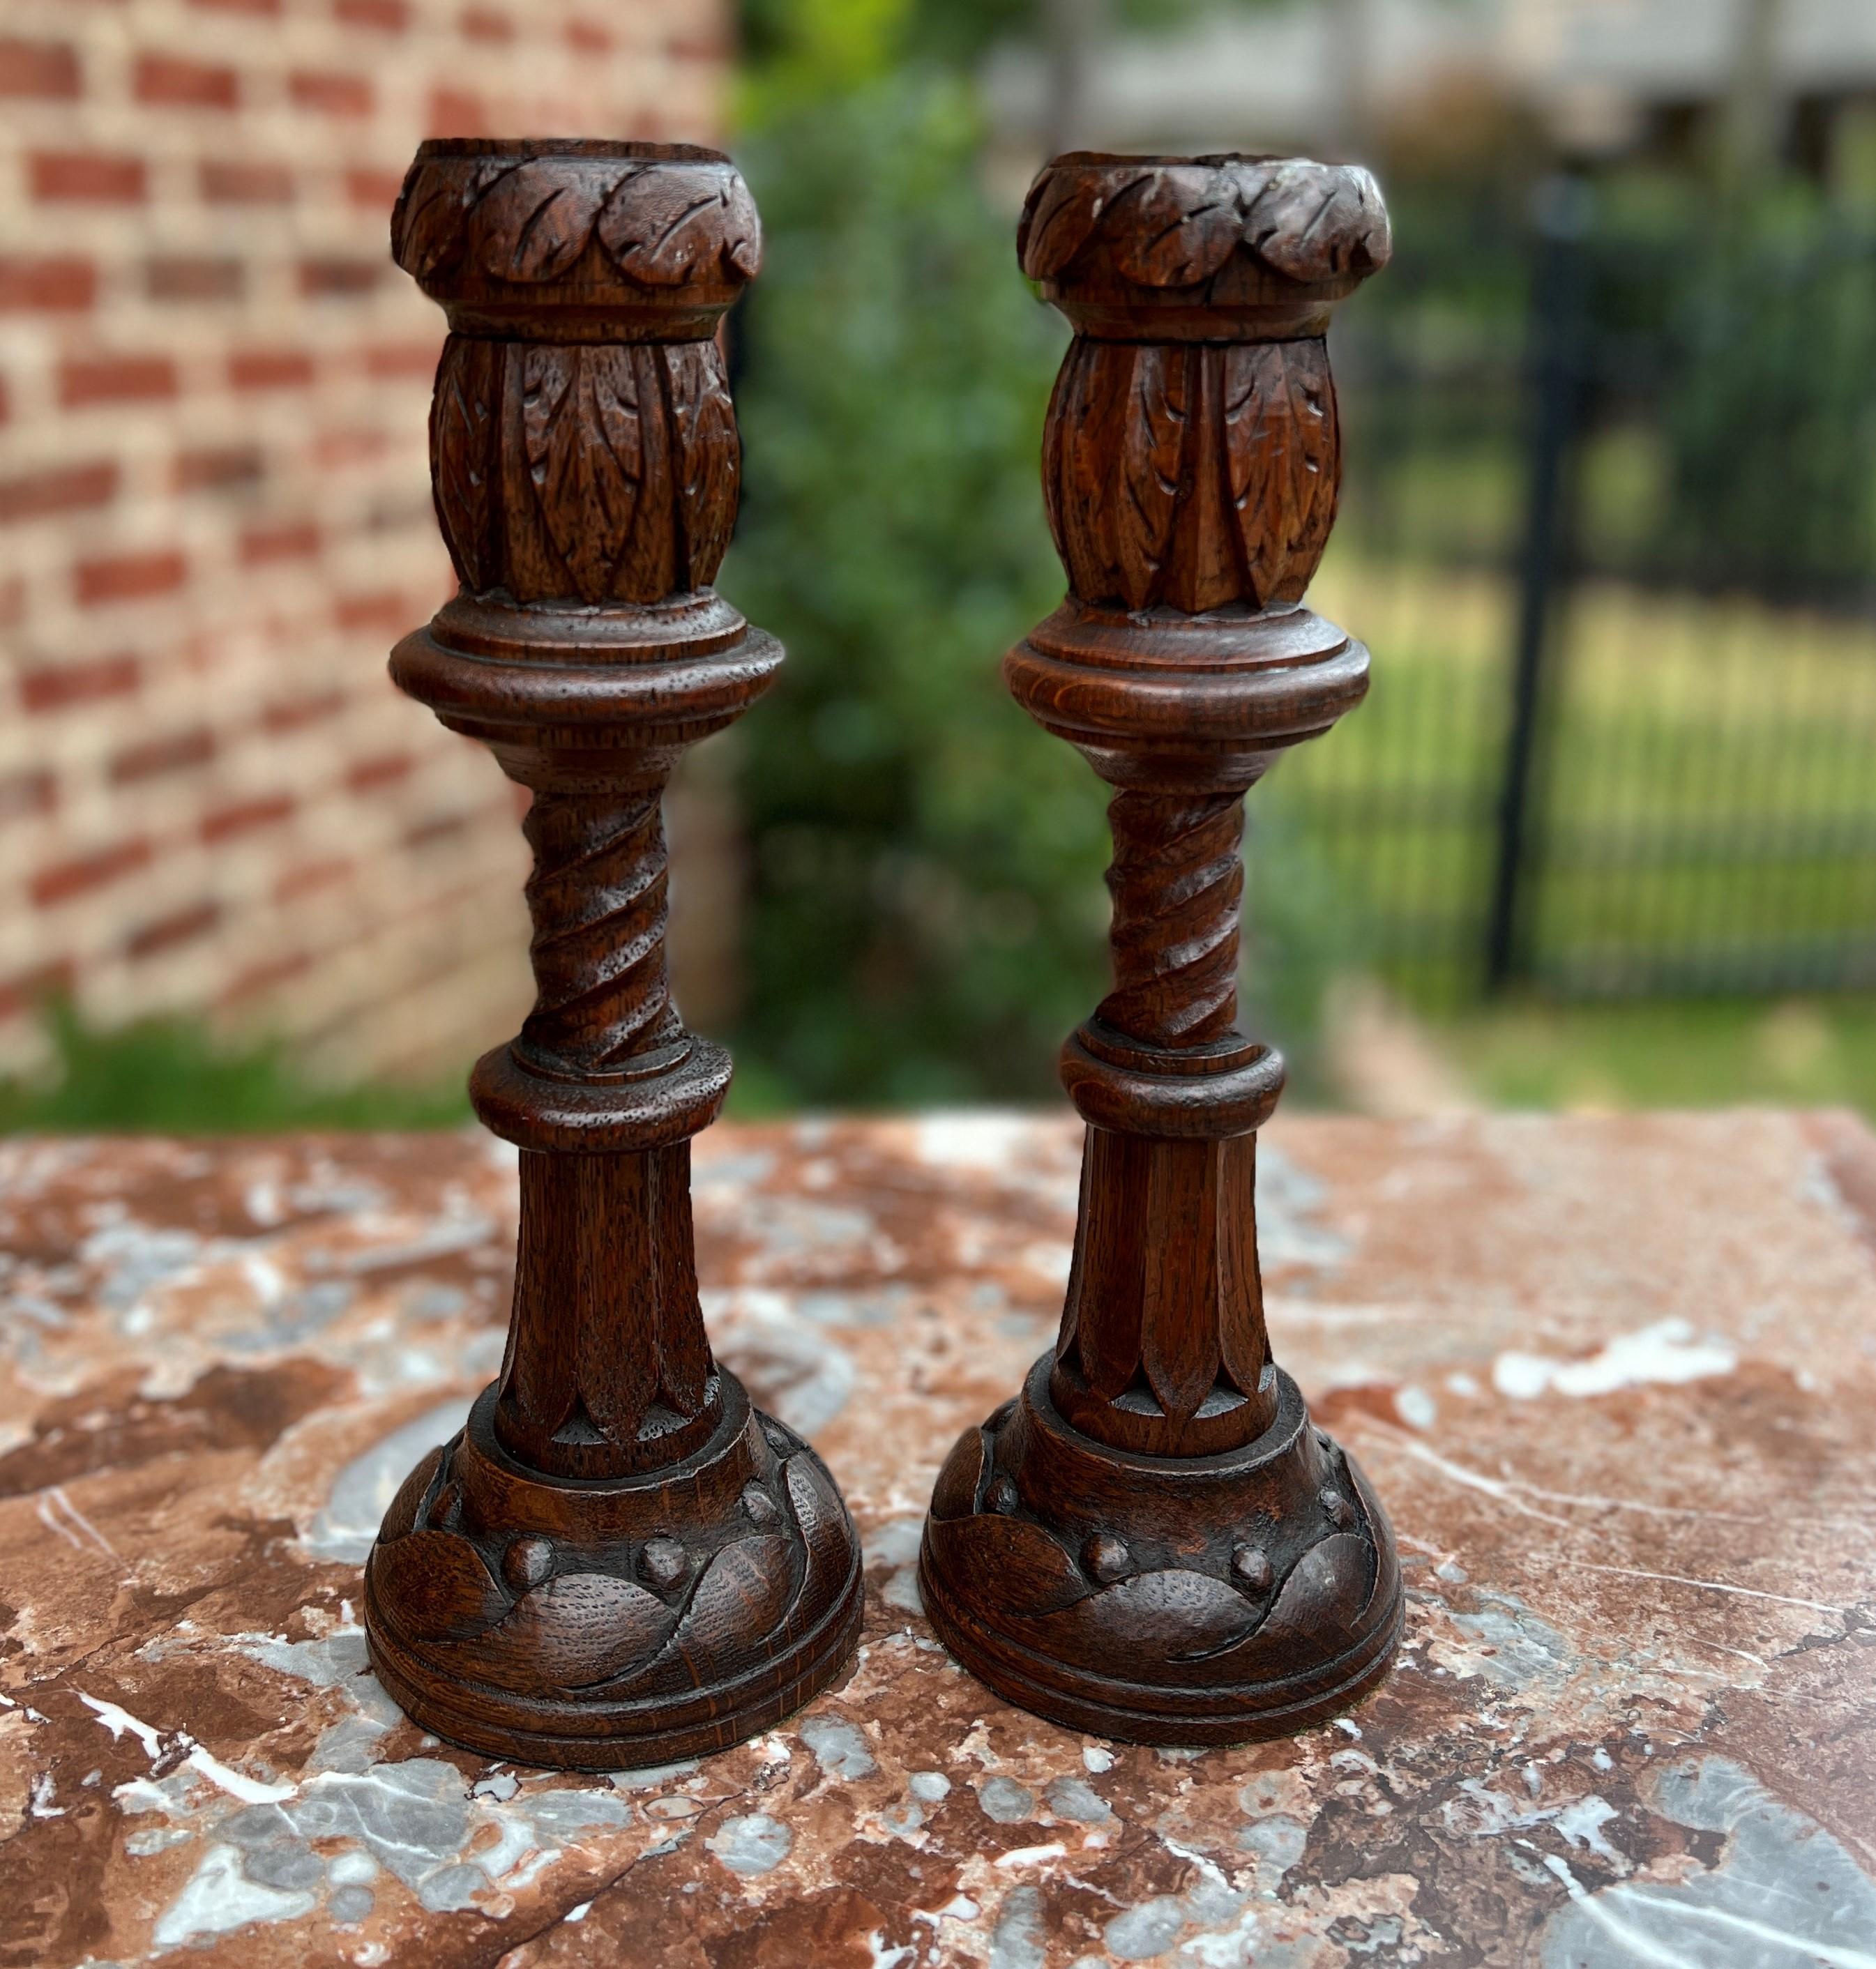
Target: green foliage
column 1769, row 419
column 927, row 910
column 170, row 1076
column 799, row 45
column 927, row 918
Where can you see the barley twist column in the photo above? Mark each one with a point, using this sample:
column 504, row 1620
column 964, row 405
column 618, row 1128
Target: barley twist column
column 1153, row 1541
column 616, row 1561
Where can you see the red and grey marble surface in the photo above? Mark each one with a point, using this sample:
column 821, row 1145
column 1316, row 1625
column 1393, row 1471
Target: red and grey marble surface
column 1616, row 1379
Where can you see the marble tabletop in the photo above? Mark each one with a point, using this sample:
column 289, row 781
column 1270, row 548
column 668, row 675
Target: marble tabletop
column 1615, row 1378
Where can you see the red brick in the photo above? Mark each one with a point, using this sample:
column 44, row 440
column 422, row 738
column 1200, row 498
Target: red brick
column 411, row 360
column 454, row 113
column 64, row 879
column 245, row 182
column 114, row 379
column 30, row 992
column 326, row 279
column 176, row 752
column 291, row 714
column 270, row 368
column 439, row 827
column 130, row 577
column 374, row 191
column 387, row 611
column 486, row 24
column 92, row 177
column 390, row 17
column 264, row 976
column 311, row 875
column 180, row 926
column 187, row 85
column 386, row 770
column 38, row 68
column 244, row 816
column 261, row 544
column 194, row 277
column 331, row 95
column 24, row 794
column 45, row 283
column 219, row 468
column 588, row 38
column 333, row 450
column 59, row 488
column 59, row 685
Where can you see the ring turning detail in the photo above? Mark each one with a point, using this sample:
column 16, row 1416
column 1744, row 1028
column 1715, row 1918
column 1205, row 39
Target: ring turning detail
column 1153, row 1541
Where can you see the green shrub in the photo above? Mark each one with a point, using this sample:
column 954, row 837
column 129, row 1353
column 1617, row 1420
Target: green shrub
column 926, row 911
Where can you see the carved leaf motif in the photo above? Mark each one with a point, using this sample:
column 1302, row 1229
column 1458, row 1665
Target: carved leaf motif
column 1281, row 434
column 1328, row 1589
column 536, row 221
column 430, row 225
column 708, row 457
column 667, row 225
column 1059, row 218
column 1181, row 228
column 738, row 1603
column 427, row 227
column 1172, row 1616
column 1311, row 221
column 583, row 427
column 578, row 1629
column 1179, row 1352
column 955, row 1494
column 1057, row 453
column 1152, row 447
column 401, row 1520
column 462, row 461
column 437, row 1584
column 1032, row 1574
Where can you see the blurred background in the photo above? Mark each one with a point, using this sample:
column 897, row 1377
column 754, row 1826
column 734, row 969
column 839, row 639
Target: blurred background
column 1603, row 834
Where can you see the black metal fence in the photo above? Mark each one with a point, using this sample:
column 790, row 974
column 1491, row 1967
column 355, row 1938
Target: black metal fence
column 1610, row 530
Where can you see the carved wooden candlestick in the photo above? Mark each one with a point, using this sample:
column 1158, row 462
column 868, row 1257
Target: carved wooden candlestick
column 618, row 1561
column 1152, row 1541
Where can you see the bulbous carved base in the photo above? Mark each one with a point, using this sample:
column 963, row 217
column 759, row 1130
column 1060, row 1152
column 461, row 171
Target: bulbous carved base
column 608, row 1624
column 1190, row 1599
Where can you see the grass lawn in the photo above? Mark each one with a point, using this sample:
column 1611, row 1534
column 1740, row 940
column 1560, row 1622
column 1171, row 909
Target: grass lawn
column 1668, row 1053
column 1708, row 817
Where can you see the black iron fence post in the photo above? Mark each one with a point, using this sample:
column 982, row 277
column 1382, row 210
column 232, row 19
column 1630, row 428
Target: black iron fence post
column 1559, row 364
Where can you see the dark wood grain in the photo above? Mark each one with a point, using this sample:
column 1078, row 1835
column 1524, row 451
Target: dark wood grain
column 1154, row 1541
column 618, row 1562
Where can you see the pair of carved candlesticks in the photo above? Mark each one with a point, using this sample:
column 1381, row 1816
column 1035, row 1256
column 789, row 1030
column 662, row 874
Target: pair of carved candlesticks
column 618, row 1561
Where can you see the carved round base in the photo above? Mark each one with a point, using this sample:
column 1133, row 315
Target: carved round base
column 609, row 1624
column 1193, row 1599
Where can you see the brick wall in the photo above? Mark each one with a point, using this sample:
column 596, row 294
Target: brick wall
column 214, row 505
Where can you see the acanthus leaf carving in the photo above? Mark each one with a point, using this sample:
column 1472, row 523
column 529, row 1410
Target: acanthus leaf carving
column 537, row 219
column 677, row 219
column 1313, row 222
column 1281, row 440
column 429, row 225
column 707, row 455
column 1176, row 225
column 1182, row 226
column 463, row 427
column 584, row 432
column 1152, row 450
column 1059, row 218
